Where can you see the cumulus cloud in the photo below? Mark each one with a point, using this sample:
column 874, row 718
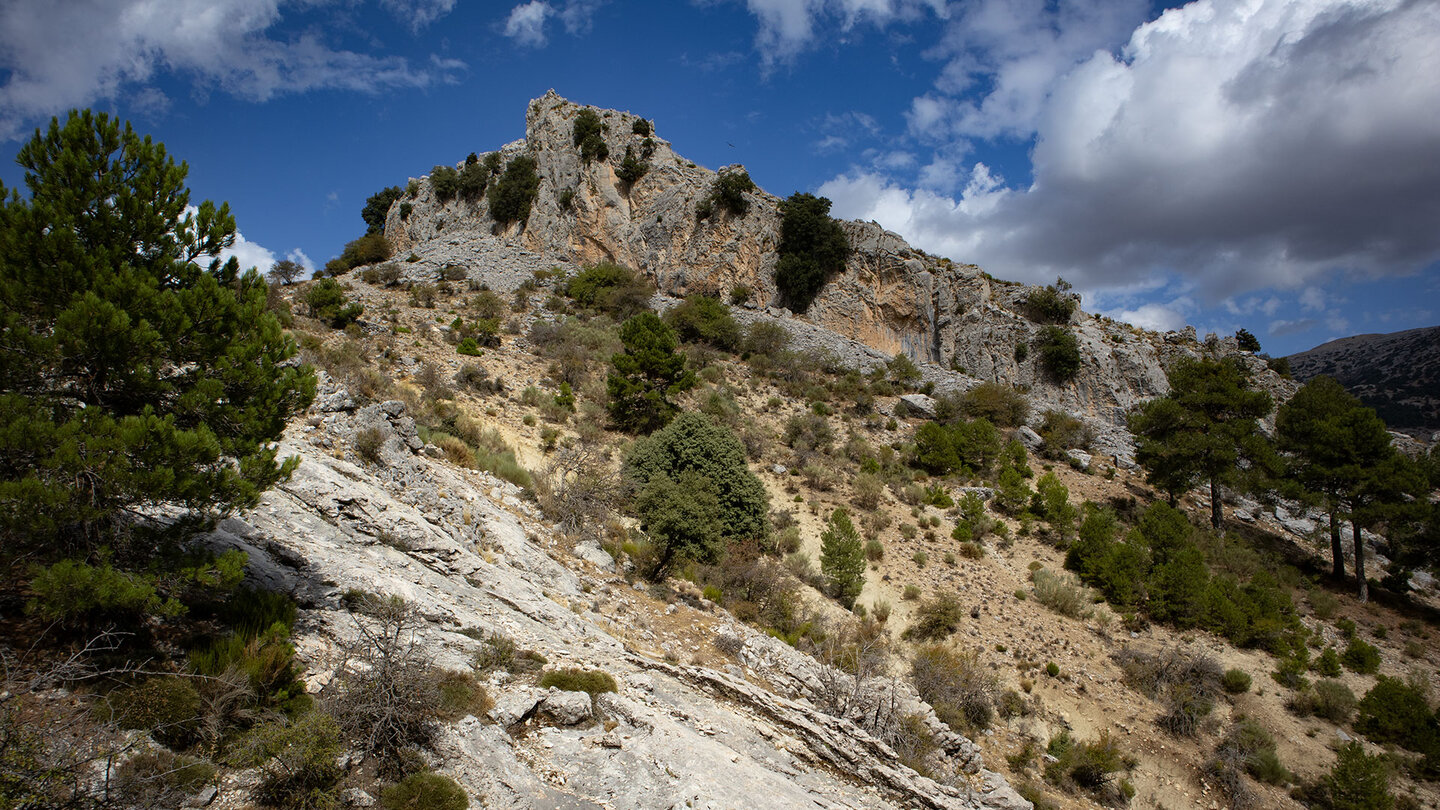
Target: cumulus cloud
column 1239, row 144
column 526, row 23
column 73, row 53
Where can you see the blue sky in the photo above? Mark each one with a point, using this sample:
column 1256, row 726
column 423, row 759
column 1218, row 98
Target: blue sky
column 1266, row 164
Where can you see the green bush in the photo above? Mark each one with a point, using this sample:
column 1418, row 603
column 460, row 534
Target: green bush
column 1235, row 681
column 472, row 182
column 573, row 679
column 702, row 319
column 588, row 136
column 728, row 192
column 965, row 447
column 168, row 707
column 377, row 206
column 1060, row 431
column 515, row 191
column 425, row 791
column 372, row 248
column 1091, row 765
column 1061, row 594
column 961, row 689
column 694, row 443
column 1394, row 711
column 446, row 182
column 645, row 375
column 842, row 559
column 1358, row 781
column 611, row 288
column 631, row 168
column 327, row 301
column 936, row 618
column 157, row 779
column 1361, row 657
column 468, row 347
column 77, row 594
column 298, row 761
column 1051, row 303
column 1001, row 404
column 813, row 248
column 1329, row 699
column 1328, row 664
column 1059, row 353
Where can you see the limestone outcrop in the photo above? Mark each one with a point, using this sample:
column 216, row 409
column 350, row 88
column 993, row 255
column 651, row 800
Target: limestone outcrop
column 891, row 297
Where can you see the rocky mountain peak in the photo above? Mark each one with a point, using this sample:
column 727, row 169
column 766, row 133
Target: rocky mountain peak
column 891, row 297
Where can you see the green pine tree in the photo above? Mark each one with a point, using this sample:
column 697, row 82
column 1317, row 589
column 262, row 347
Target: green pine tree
column 1339, row 452
column 1202, row 430
column 842, row 558
column 137, row 369
column 646, row 374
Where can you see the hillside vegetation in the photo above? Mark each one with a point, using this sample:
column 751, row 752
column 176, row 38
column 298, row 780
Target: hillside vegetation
column 670, row 524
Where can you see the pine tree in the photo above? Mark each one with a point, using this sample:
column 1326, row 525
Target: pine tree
column 842, row 558
column 646, row 374
column 1202, row 430
column 133, row 375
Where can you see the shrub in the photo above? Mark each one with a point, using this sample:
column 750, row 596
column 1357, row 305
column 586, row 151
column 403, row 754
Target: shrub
column 1060, row 593
column 168, row 707
column 78, row 594
column 702, row 319
column 1235, row 681
column 159, row 779
column 1328, row 664
column 573, row 679
column 1361, row 657
column 1051, row 303
column 472, row 182
column 298, row 761
column 588, row 136
column 813, row 247
column 425, row 791
column 1091, row 765
column 515, row 191
column 326, row 301
column 1358, row 781
column 765, row 338
column 631, row 168
column 1394, row 711
column 372, row 248
column 461, row 695
column 1247, row 748
column 611, row 288
column 468, row 347
column 445, row 181
column 1003, row 405
column 935, row 618
column 385, row 696
column 728, row 192
column 1329, row 699
column 1060, row 431
column 501, row 652
column 957, row 685
column 377, row 206
column 694, row 442
column 1059, row 353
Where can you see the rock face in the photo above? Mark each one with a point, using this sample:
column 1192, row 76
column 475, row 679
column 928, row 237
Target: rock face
column 476, row 559
column 891, row 298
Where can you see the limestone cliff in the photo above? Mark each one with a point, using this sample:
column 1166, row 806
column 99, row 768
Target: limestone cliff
column 891, row 297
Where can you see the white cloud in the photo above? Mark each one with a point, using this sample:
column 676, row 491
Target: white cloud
column 526, row 23
column 1312, row 299
column 73, row 53
column 298, row 256
column 1242, row 143
column 788, row 27
column 418, row 13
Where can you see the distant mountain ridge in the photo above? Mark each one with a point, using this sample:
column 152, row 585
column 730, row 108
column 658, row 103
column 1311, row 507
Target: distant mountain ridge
column 1397, row 374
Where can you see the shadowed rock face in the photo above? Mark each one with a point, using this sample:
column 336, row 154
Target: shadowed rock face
column 890, row 296
column 1397, row 374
